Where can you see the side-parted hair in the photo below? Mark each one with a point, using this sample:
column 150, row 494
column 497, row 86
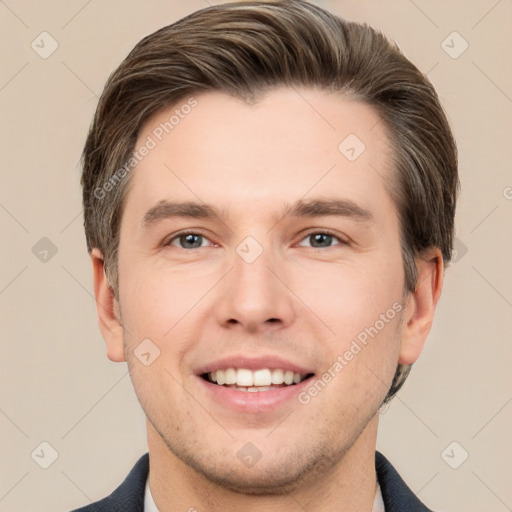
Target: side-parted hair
column 246, row 48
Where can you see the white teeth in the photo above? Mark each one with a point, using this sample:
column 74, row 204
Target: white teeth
column 257, row 380
column 221, row 377
column 230, row 376
column 277, row 376
column 251, row 389
column 244, row 377
column 262, row 377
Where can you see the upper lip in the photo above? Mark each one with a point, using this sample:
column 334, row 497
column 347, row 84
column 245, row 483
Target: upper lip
column 271, row 362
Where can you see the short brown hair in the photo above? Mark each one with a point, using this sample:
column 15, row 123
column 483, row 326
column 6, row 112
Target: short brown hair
column 246, row 48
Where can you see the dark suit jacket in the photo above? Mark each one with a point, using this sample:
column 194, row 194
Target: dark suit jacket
column 129, row 496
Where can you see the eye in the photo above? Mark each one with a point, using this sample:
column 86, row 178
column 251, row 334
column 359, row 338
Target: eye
column 321, row 239
column 191, row 240
column 188, row 241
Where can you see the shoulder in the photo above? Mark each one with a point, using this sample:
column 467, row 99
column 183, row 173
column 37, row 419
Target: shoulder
column 396, row 494
column 129, row 496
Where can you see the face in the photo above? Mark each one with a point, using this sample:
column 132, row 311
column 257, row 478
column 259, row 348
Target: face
column 257, row 246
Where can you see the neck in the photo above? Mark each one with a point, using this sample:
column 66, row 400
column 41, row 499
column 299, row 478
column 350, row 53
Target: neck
column 348, row 486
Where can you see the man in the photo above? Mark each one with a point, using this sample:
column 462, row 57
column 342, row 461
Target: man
column 269, row 199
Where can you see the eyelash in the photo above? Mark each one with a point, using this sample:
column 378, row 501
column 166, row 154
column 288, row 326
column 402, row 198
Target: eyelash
column 176, row 236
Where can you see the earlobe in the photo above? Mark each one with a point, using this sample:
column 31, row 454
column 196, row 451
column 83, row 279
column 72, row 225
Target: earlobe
column 421, row 305
column 107, row 308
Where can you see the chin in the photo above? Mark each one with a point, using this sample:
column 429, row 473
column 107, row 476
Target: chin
column 272, row 479
column 283, row 473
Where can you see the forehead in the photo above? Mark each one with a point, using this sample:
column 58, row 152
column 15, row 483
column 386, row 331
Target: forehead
column 290, row 144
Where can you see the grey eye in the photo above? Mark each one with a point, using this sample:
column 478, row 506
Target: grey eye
column 320, row 239
column 188, row 241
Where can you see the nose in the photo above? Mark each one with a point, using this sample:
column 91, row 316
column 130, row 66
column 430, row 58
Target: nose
column 254, row 296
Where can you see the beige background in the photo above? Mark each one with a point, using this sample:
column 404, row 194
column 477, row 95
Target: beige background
column 57, row 384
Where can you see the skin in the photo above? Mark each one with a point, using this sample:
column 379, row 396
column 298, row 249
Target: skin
column 300, row 300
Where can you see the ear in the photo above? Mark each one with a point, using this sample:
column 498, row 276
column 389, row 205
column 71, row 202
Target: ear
column 107, row 307
column 421, row 305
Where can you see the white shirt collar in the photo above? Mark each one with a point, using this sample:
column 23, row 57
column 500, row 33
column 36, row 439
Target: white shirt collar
column 150, row 506
column 378, row 504
column 149, row 502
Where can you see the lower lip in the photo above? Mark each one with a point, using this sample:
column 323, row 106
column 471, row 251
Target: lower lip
column 258, row 401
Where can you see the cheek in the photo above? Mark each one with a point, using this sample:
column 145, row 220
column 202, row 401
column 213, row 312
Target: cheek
column 156, row 307
column 360, row 302
column 147, row 315
column 154, row 299
column 351, row 296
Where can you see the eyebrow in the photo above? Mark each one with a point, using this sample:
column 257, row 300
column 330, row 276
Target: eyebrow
column 325, row 207
column 313, row 208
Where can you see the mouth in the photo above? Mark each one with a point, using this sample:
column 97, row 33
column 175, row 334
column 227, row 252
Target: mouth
column 255, row 381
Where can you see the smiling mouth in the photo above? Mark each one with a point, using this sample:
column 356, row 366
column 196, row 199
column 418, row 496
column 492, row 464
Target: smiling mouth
column 243, row 379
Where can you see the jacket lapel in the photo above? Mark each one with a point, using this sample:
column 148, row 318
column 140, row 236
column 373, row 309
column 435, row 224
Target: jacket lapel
column 395, row 493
